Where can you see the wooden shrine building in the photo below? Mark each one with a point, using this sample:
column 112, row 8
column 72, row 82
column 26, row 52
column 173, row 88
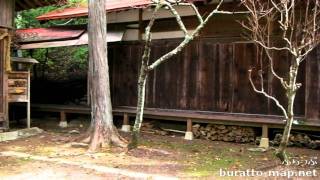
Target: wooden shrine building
column 207, row 82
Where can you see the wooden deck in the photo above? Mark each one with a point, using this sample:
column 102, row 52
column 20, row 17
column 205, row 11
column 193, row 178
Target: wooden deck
column 183, row 115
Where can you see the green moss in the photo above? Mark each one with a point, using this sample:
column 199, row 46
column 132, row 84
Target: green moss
column 44, row 151
column 203, row 160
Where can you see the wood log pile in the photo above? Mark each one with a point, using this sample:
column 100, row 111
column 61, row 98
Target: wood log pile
column 224, row 133
column 298, row 140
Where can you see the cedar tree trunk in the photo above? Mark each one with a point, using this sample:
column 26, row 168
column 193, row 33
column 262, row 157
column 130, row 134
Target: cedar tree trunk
column 103, row 132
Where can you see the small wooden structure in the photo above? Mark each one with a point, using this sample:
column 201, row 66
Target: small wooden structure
column 19, row 82
column 7, row 12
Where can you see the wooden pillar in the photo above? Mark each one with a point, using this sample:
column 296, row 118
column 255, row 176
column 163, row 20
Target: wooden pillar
column 189, row 125
column 264, row 142
column 140, row 25
column 28, row 103
column 7, row 9
column 126, row 125
column 189, row 134
column 63, row 120
column 265, row 131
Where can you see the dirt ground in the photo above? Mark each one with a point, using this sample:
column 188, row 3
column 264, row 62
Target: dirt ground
column 51, row 155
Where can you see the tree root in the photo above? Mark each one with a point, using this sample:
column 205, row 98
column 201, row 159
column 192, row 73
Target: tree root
column 282, row 156
column 134, row 141
column 106, row 138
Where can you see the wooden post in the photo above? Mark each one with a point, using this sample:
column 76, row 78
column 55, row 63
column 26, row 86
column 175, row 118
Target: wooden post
column 265, row 131
column 28, row 103
column 63, row 120
column 189, row 134
column 7, row 9
column 125, row 119
column 126, row 125
column 140, row 24
column 189, row 125
column 264, row 142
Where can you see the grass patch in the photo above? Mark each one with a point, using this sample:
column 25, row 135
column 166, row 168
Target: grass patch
column 201, row 159
column 44, row 151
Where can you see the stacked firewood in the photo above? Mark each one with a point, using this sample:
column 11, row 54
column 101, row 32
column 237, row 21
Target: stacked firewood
column 224, row 133
column 299, row 140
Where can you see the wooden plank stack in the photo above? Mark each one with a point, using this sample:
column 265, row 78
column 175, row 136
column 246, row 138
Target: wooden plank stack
column 224, row 133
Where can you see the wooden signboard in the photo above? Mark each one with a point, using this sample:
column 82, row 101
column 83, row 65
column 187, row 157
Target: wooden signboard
column 19, row 82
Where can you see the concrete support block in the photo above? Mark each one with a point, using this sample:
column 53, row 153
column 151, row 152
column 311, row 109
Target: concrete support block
column 63, row 124
column 126, row 128
column 264, row 143
column 188, row 135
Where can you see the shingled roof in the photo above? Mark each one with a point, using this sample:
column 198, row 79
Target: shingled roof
column 111, row 6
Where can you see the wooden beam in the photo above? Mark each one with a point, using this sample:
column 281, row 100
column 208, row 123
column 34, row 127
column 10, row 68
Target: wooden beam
column 125, row 119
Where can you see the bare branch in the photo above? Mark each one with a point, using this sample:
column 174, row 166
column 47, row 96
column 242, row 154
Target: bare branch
column 272, row 47
column 178, row 18
column 147, row 49
column 266, row 95
column 187, row 39
column 195, row 9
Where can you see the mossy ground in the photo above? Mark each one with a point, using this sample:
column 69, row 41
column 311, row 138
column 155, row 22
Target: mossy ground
column 167, row 155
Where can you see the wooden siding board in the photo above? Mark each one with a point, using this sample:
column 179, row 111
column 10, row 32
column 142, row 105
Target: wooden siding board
column 7, row 13
column 206, row 67
column 313, row 86
column 208, row 76
column 192, row 77
column 183, row 104
column 299, row 107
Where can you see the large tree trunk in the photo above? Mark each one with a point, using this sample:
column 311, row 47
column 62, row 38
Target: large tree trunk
column 103, row 131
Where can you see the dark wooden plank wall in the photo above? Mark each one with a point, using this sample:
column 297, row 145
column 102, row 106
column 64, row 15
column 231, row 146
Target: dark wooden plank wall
column 208, row 76
column 2, row 102
column 313, row 86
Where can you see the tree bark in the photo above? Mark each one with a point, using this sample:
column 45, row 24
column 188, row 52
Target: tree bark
column 140, row 107
column 291, row 94
column 143, row 75
column 103, row 132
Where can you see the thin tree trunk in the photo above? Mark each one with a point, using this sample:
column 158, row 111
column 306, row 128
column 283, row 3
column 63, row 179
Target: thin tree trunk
column 140, row 106
column 146, row 68
column 103, row 132
column 143, row 75
column 291, row 94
